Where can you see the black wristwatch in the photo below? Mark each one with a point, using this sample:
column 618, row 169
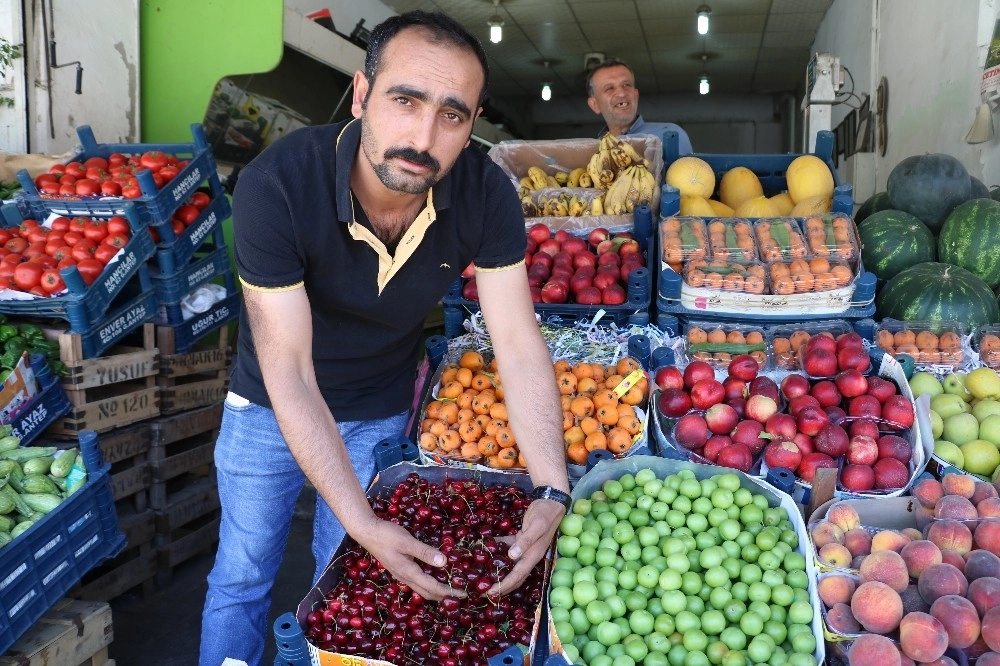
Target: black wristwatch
column 554, row 494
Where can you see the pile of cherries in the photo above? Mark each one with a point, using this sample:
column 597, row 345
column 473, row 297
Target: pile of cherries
column 370, row 614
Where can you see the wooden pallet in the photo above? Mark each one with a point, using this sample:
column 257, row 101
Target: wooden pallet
column 183, row 447
column 188, row 525
column 195, row 379
column 127, row 451
column 72, row 633
column 134, row 567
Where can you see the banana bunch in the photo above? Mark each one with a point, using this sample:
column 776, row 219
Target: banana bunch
column 612, row 156
column 562, row 204
column 634, row 185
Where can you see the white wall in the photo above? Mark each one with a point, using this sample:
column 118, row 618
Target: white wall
column 13, row 134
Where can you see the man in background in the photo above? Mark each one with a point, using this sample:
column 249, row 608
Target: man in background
column 611, row 93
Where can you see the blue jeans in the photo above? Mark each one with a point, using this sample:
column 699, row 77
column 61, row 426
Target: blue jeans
column 259, row 483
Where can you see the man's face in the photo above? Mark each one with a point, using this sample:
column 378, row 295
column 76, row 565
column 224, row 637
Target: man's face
column 418, row 115
column 615, row 96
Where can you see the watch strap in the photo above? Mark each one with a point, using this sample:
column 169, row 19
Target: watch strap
column 554, row 494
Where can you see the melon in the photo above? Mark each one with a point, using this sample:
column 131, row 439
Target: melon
column 812, row 206
column 892, row 241
column 808, row 176
column 757, row 207
column 873, row 204
column 692, row 176
column 995, row 194
column 737, row 185
column 979, row 189
column 933, row 290
column 929, row 187
column 783, row 202
column 970, row 238
column 696, row 207
column 720, row 209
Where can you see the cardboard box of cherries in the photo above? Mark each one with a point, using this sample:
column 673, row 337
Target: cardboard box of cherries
column 836, row 411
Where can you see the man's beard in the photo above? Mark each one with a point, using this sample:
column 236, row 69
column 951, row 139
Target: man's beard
column 394, row 179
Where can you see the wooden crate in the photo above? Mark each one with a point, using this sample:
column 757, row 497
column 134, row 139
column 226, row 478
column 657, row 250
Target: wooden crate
column 134, row 567
column 195, row 379
column 72, row 633
column 187, row 526
column 110, row 391
column 182, row 451
column 127, row 451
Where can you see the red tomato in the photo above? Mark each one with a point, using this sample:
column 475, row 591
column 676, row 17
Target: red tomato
column 34, row 248
column 96, row 231
column 62, row 253
column 110, row 188
column 96, row 163
column 85, row 187
column 60, row 224
column 187, row 214
column 7, row 272
column 49, row 188
column 16, row 245
column 52, row 247
column 27, row 226
column 51, row 281
column 172, row 160
column 67, row 179
column 27, row 275
column 181, row 164
column 93, row 173
column 67, row 190
column 14, row 258
column 90, row 269
column 177, row 226
column 131, row 191
column 115, row 240
column 38, row 291
column 154, row 160
column 79, row 223
column 154, row 234
column 200, row 200
column 116, row 159
column 158, row 180
column 57, row 169
column 75, row 169
column 168, row 172
column 37, row 234
column 118, row 225
column 72, row 237
column 104, row 253
column 5, row 236
column 84, row 249
column 45, row 261
column 65, row 262
column 45, row 178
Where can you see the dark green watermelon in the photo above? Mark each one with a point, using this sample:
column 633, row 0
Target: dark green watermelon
column 874, row 203
column 979, row 189
column 970, row 238
column 995, row 194
column 934, row 290
column 892, row 241
column 929, row 187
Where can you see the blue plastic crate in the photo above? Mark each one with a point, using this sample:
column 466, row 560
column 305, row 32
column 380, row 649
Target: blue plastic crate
column 188, row 332
column 83, row 304
column 155, row 206
column 50, row 404
column 171, row 288
column 133, row 308
column 40, row 566
column 174, row 252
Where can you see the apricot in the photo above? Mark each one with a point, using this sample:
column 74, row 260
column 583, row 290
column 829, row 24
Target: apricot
column 981, row 563
column 889, row 540
column 858, row 541
column 912, row 533
column 958, row 484
column 873, row 650
column 984, row 593
column 835, row 555
column 959, row 618
column 922, row 637
column 918, row 555
column 843, row 516
column 840, row 619
column 877, row 607
column 928, row 492
column 988, row 535
column 835, row 589
column 886, row 566
column 939, row 580
column 952, row 535
column 825, row 532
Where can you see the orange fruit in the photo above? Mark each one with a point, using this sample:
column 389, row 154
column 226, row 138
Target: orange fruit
column 582, row 406
column 507, row 458
column 470, row 452
column 590, row 425
column 498, row 410
column 566, row 381
column 505, row 437
column 596, row 440
column 470, row 431
column 577, row 453
column 451, row 390
column 472, row 360
column 464, row 377
column 696, row 336
column 587, row 385
column 449, row 440
column 619, row 441
column 927, row 340
column 627, row 364
column 488, row 446
column 449, row 413
column 428, row 442
column 481, row 382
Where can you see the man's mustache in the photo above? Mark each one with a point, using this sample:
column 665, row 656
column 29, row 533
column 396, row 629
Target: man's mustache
column 411, row 155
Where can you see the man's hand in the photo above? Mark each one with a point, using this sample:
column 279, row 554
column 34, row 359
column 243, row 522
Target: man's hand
column 541, row 521
column 398, row 551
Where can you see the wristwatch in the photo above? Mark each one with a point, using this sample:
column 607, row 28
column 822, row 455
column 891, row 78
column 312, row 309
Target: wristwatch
column 554, row 494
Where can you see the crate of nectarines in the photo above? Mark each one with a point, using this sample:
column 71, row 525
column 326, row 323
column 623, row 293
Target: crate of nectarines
column 785, row 340
column 929, row 343
column 465, row 420
column 718, row 342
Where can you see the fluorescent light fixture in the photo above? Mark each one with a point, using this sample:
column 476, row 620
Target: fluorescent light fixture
column 703, row 86
column 703, row 12
column 546, row 92
column 496, row 29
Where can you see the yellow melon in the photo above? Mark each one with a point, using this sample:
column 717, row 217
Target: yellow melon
column 808, row 176
column 757, row 207
column 696, row 206
column 812, row 206
column 737, row 185
column 721, row 209
column 783, row 202
column 692, row 176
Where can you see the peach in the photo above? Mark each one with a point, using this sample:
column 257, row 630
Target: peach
column 991, row 628
column 843, row 516
column 988, row 659
column 858, row 541
column 951, row 534
column 873, row 650
column 912, row 601
column 984, row 593
column 912, row 533
column 919, row 555
column 958, row 484
column 981, row 563
column 955, row 506
column 939, row 580
column 886, row 566
column 988, row 535
column 889, row 540
column 928, row 492
column 984, row 491
column 989, row 507
column 835, row 555
column 959, row 618
column 906, row 661
column 953, row 558
column 825, row 532
column 840, row 619
column 922, row 637
column 877, row 607
column 979, row 647
column 835, row 589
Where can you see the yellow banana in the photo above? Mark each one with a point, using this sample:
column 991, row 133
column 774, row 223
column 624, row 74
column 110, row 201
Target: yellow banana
column 597, row 205
column 594, row 167
column 538, row 178
column 562, row 178
column 585, row 180
column 527, row 182
column 626, row 148
column 550, row 181
column 576, row 207
column 573, row 180
column 622, row 193
column 529, row 208
column 620, row 157
column 559, row 208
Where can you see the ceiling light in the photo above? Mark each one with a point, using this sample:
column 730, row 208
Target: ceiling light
column 703, row 11
column 496, row 24
column 546, row 92
column 703, row 86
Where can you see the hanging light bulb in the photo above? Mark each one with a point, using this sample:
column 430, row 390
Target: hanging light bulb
column 703, row 86
column 703, row 12
column 496, row 24
column 546, row 92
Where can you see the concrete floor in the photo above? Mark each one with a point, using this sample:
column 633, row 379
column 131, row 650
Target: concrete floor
column 165, row 627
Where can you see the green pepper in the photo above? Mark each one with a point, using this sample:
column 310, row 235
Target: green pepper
column 7, row 332
column 32, row 332
column 16, row 344
column 58, row 368
column 8, row 361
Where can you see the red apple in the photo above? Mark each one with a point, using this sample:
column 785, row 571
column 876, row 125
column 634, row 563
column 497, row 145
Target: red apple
column 539, row 232
column 760, row 407
column 607, row 247
column 798, row 403
column 804, row 442
column 674, row 402
column 863, row 426
column 851, row 383
column 735, row 388
column 535, row 281
column 851, row 339
column 696, row 371
column 590, row 295
column 782, row 453
column 596, row 236
column 624, row 234
column 609, row 259
column 629, row 246
column 881, row 388
column 669, row 376
column 736, row 456
column 811, row 462
column 744, row 367
column 890, row 474
column 862, row 450
column 536, row 292
column 563, row 273
column 832, row 440
column 894, row 446
column 794, row 385
column 562, row 236
column 763, row 385
column 781, row 425
column 691, row 431
column 562, row 258
column 857, row 478
column 898, row 410
column 747, row 433
column 554, row 291
column 582, row 280
column 613, row 295
column 627, row 268
column 575, row 245
column 819, row 362
column 707, row 392
column 531, row 246
column 811, row 419
column 541, row 260
column 853, row 358
column 721, row 418
column 470, row 291
column 826, row 393
column 864, row 405
column 714, row 445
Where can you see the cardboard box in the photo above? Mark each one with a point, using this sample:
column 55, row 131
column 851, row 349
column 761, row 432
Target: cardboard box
column 18, row 390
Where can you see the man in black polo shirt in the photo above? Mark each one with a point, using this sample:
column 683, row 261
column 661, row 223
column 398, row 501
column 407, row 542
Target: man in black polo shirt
column 346, row 236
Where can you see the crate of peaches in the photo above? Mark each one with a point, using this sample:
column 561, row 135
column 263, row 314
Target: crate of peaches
column 465, row 420
column 928, row 343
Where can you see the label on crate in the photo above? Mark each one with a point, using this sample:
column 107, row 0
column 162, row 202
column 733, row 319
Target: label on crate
column 205, row 395
column 203, row 324
column 123, row 269
column 190, row 181
column 29, row 422
column 198, row 233
column 13, row 576
column 123, row 405
column 204, row 273
column 123, row 324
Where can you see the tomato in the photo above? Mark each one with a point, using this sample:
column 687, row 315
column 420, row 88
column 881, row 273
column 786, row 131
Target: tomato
column 177, row 226
column 65, row 190
column 131, row 191
column 45, row 261
column 72, row 237
column 96, row 163
column 116, row 159
column 49, row 188
column 168, row 172
column 118, row 225
column 115, row 240
column 75, row 169
column 53, row 247
column 158, row 180
column 45, row 178
column 51, row 281
column 84, row 249
column 58, row 169
column 172, row 160
column 34, row 248
column 110, row 188
column 85, row 187
column 93, row 173
column 154, row 234
column 90, row 269
column 7, row 272
column 154, row 160
column 65, row 262
column 182, row 164
column 37, row 234
column 5, row 236
column 27, row 275
column 14, row 258
column 79, row 223
column 96, row 231
column 104, row 253
column 67, row 179
column 187, row 214
column 122, row 173
column 27, row 225
column 16, row 245
column 62, row 253
column 200, row 200
column 60, row 224
column 38, row 291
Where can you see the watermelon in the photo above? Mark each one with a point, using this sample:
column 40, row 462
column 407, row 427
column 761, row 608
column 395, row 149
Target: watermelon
column 929, row 187
column 873, row 204
column 995, row 194
column 933, row 290
column 892, row 240
column 979, row 189
column 970, row 238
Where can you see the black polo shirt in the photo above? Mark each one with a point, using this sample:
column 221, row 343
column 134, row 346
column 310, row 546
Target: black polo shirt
column 295, row 224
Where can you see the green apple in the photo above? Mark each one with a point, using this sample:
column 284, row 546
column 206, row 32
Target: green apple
column 983, row 383
column 949, row 453
column 948, row 404
column 954, row 383
column 989, row 429
column 961, row 428
column 981, row 457
column 983, row 408
column 937, row 424
column 925, row 383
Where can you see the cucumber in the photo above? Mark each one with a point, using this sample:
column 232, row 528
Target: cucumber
column 5, row 538
column 21, row 528
column 6, row 523
column 63, row 463
column 27, row 453
column 18, row 501
column 728, row 347
column 39, row 483
column 42, row 502
column 6, row 506
column 38, row 465
column 9, row 443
